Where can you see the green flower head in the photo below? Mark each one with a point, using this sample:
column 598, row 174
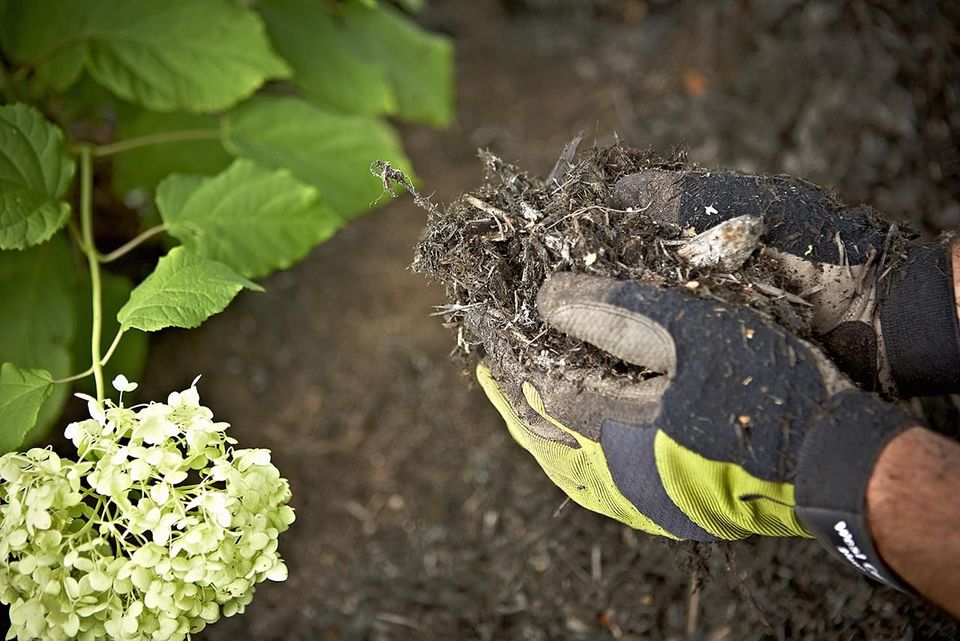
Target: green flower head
column 159, row 527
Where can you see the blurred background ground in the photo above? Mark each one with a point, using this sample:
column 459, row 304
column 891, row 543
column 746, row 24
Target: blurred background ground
column 418, row 517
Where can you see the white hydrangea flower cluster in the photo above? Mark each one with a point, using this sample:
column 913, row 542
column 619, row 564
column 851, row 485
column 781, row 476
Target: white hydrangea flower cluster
column 159, row 528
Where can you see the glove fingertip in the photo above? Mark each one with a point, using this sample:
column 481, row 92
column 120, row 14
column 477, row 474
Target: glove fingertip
column 580, row 306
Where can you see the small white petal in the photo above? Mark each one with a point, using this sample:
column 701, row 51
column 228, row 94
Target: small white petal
column 260, row 457
column 121, row 384
column 175, row 478
column 191, row 397
column 160, row 493
column 216, row 506
column 224, row 519
column 96, row 412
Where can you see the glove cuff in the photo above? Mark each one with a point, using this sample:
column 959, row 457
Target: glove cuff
column 918, row 320
column 835, row 463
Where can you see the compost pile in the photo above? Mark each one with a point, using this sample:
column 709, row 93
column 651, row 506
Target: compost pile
column 492, row 249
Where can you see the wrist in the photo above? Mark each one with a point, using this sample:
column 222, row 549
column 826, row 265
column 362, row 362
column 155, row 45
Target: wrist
column 918, row 329
column 836, row 462
column 913, row 514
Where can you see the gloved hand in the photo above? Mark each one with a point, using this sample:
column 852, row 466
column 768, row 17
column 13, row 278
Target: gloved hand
column 899, row 335
column 748, row 429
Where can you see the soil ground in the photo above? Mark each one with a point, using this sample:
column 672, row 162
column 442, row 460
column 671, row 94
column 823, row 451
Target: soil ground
column 418, row 517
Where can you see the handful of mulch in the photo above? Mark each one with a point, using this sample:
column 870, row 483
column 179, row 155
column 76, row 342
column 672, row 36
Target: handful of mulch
column 494, row 247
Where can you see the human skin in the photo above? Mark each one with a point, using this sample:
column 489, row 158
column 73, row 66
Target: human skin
column 913, row 505
column 913, row 509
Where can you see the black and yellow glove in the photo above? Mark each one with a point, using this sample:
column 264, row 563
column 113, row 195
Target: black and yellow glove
column 748, row 429
column 891, row 329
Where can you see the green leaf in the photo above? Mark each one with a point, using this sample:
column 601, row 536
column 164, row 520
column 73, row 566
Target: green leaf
column 252, row 219
column 42, row 31
column 34, row 172
column 413, row 6
column 332, row 152
column 63, row 69
column 179, row 54
column 178, row 191
column 312, row 39
column 163, row 54
column 40, row 305
column 364, row 59
column 22, row 393
column 419, row 63
column 184, row 290
column 131, row 355
column 144, row 168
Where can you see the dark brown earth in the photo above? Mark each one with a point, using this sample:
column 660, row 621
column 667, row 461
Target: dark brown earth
column 418, row 517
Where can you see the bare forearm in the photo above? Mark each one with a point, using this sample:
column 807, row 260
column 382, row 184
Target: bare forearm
column 913, row 503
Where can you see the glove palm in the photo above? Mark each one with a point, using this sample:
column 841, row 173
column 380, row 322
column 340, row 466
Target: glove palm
column 704, row 451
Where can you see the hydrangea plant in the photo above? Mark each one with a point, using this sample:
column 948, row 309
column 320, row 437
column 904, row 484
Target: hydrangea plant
column 159, row 527
column 231, row 137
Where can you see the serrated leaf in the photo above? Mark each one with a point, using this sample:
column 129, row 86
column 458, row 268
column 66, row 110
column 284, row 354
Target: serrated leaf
column 178, row 54
column 163, row 54
column 22, row 393
column 130, row 356
column 332, row 152
column 309, row 35
column 34, row 172
column 418, row 63
column 39, row 303
column 145, row 168
column 184, row 290
column 364, row 59
column 251, row 218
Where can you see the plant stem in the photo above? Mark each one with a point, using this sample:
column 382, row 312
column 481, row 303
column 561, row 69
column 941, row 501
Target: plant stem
column 131, row 244
column 155, row 139
column 75, row 234
column 112, row 348
column 76, row 377
column 103, row 361
column 86, row 227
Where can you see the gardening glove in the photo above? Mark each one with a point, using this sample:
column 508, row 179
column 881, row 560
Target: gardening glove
column 746, row 429
column 898, row 334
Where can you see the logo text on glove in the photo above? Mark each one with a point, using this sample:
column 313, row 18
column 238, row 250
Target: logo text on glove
column 851, row 551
